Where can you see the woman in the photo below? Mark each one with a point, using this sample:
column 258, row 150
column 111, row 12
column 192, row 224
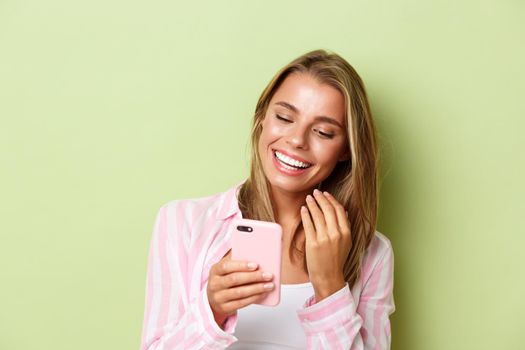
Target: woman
column 314, row 171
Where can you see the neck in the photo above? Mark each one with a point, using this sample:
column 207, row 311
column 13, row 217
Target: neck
column 286, row 206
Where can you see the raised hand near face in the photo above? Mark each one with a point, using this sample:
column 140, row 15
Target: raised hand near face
column 328, row 242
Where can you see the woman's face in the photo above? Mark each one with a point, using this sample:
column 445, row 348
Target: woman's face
column 303, row 134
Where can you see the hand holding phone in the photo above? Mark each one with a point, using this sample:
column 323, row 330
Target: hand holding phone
column 233, row 285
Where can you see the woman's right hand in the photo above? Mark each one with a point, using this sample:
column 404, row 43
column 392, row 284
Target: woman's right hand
column 234, row 284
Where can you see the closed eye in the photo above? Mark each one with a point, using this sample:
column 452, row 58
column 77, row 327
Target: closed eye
column 283, row 119
column 323, row 134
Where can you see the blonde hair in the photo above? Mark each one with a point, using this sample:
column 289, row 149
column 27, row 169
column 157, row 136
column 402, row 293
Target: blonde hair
column 352, row 182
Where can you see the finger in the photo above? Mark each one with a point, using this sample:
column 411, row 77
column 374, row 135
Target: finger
column 317, row 215
column 332, row 227
column 241, row 292
column 235, row 305
column 227, row 266
column 308, row 225
column 239, row 278
column 341, row 213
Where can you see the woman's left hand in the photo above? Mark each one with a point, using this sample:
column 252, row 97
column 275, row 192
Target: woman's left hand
column 328, row 242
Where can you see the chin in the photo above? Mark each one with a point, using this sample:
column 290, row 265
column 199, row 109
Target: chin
column 290, row 184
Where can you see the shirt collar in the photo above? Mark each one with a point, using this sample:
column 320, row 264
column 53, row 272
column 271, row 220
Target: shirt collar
column 229, row 204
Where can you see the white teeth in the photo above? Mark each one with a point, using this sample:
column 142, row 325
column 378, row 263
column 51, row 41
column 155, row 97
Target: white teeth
column 287, row 166
column 290, row 161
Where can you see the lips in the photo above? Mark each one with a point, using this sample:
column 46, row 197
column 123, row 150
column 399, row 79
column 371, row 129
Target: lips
column 291, row 157
column 286, row 168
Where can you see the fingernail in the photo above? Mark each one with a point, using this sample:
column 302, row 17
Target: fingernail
column 316, row 191
column 267, row 275
column 252, row 265
column 309, row 198
column 268, row 286
column 326, row 193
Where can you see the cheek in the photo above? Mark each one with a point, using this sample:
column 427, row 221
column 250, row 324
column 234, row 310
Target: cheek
column 326, row 154
column 271, row 132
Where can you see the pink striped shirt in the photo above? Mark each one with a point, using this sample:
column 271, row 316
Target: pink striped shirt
column 191, row 235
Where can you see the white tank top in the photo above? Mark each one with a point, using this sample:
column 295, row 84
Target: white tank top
column 273, row 327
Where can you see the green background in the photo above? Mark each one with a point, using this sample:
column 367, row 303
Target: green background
column 109, row 109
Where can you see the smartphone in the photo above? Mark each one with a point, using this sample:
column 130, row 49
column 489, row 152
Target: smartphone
column 260, row 242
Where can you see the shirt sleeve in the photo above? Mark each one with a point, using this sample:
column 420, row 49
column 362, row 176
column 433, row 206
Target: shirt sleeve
column 173, row 319
column 342, row 322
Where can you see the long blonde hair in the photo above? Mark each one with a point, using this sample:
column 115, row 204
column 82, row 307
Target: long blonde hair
column 352, row 182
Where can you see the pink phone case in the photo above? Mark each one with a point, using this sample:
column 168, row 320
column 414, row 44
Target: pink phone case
column 263, row 246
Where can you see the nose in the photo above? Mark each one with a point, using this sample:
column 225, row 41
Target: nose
column 298, row 138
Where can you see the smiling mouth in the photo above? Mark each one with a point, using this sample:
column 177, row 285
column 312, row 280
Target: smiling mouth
column 290, row 163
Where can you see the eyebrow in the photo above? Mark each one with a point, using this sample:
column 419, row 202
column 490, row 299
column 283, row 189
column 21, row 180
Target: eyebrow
column 322, row 118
